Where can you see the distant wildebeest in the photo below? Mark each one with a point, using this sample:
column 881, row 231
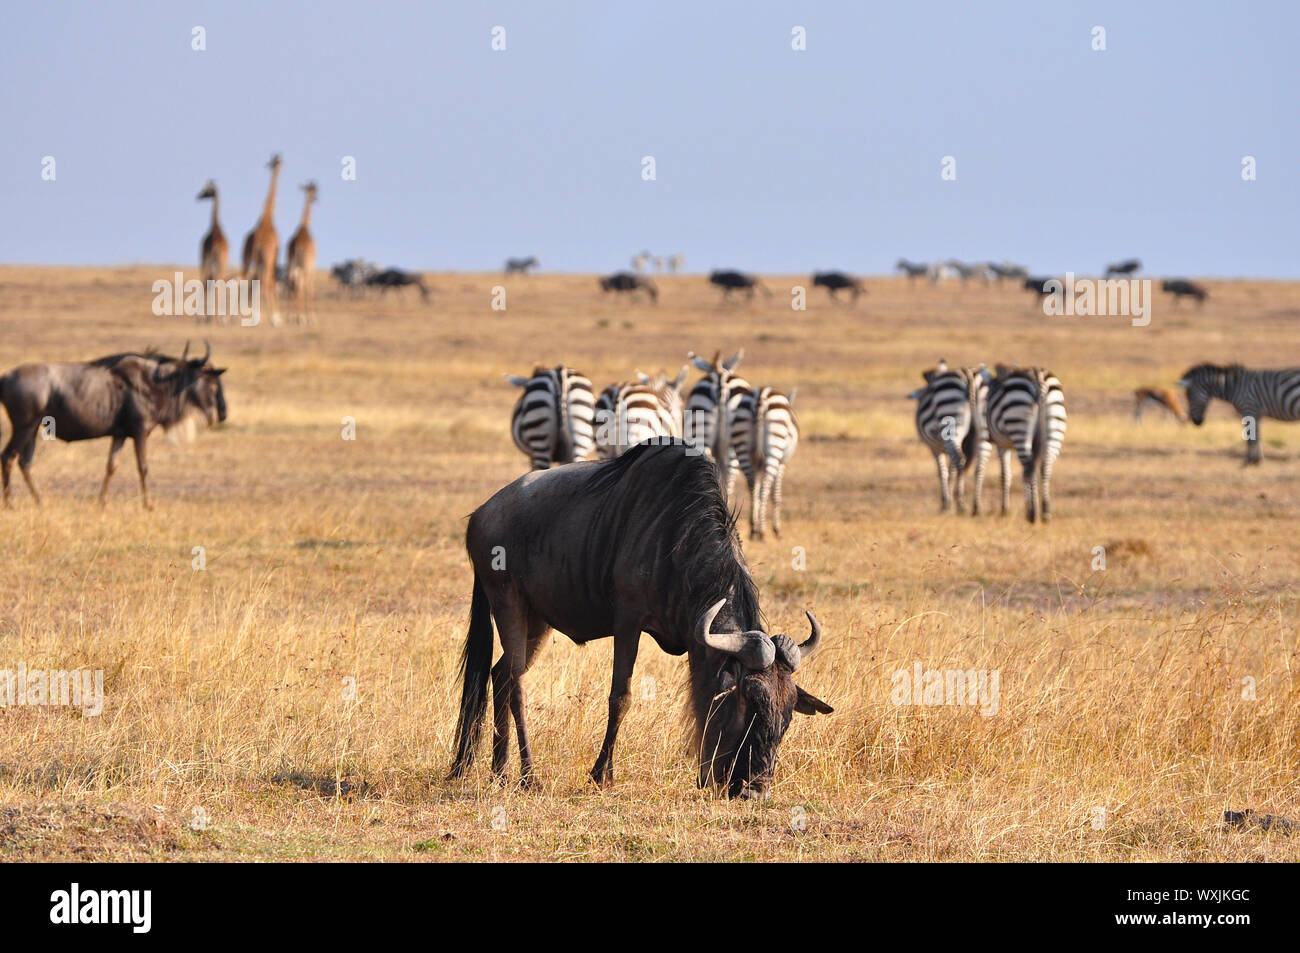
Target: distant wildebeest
column 396, row 278
column 626, row 282
column 120, row 396
column 520, row 265
column 1045, row 287
column 912, row 269
column 643, row 543
column 1126, row 267
column 1253, row 394
column 1165, row 397
column 729, row 281
column 353, row 274
column 836, row 281
column 1007, row 270
column 1181, row 287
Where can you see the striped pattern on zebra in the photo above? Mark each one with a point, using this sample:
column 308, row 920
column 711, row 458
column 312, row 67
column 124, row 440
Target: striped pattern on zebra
column 775, row 438
column 950, row 421
column 718, row 419
column 554, row 419
column 1254, row 394
column 635, row 411
column 1026, row 413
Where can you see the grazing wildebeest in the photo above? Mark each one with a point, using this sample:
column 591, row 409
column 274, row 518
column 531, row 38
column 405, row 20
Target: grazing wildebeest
column 396, row 278
column 836, row 281
column 626, row 282
column 520, row 265
column 1126, row 267
column 643, row 543
column 912, row 269
column 1045, row 287
column 1181, row 287
column 730, row 281
column 120, row 396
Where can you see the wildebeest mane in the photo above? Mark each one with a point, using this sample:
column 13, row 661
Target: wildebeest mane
column 680, row 487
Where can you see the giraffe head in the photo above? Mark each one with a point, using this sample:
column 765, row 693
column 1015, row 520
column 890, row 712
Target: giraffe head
column 209, row 191
column 310, row 189
column 275, row 163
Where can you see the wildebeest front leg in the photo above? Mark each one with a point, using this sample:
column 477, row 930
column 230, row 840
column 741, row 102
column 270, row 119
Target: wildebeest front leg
column 626, row 642
column 111, row 468
column 142, row 464
column 27, row 450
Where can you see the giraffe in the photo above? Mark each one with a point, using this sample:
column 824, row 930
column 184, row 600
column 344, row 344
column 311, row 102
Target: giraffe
column 214, row 248
column 262, row 246
column 301, row 261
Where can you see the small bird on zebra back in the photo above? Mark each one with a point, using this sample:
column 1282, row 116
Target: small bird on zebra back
column 950, row 421
column 775, row 431
column 1026, row 414
column 554, row 419
column 634, row 411
column 718, row 418
column 1253, row 394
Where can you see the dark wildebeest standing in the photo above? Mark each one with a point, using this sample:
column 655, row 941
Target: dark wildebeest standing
column 643, row 543
column 520, row 265
column 626, row 282
column 396, row 278
column 353, row 274
column 730, row 281
column 1045, row 287
column 836, row 281
column 120, row 396
column 1127, row 267
column 1181, row 287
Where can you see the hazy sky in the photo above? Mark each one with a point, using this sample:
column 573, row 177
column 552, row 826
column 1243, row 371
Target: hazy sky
column 766, row 158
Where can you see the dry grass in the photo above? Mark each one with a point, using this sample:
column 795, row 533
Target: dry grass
column 329, row 559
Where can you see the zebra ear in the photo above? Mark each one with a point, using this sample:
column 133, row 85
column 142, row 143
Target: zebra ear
column 1183, row 382
column 789, row 398
column 700, row 363
column 735, row 359
column 517, row 381
column 681, row 377
column 916, row 394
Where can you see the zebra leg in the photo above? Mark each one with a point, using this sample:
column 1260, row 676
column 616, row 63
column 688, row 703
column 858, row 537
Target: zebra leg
column 957, row 464
column 1031, row 488
column 1004, row 465
column 945, row 491
column 1253, row 453
column 776, row 500
column 981, row 461
column 1044, row 489
column 756, row 508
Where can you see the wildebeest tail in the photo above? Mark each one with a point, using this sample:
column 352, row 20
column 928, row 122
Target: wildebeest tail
column 476, row 668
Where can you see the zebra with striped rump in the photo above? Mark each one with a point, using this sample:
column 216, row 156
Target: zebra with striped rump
column 1026, row 413
column 950, row 421
column 1254, row 394
column 775, row 436
column 718, row 419
column 553, row 420
column 635, row 411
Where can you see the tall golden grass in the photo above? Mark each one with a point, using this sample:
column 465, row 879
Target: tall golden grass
column 295, row 699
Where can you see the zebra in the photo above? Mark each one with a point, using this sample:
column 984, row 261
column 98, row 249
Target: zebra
column 521, row 265
column 718, row 419
column 1254, row 394
column 1026, row 413
column 913, row 270
column 553, row 420
column 775, row 436
column 635, row 411
column 950, row 421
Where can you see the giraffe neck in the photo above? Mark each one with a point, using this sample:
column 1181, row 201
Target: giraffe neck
column 214, row 211
column 269, row 208
column 306, row 213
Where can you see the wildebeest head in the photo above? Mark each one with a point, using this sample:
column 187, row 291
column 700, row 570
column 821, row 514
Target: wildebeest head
column 754, row 699
column 197, row 384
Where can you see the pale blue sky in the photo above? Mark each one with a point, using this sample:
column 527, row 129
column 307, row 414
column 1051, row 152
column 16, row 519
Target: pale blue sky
column 767, row 159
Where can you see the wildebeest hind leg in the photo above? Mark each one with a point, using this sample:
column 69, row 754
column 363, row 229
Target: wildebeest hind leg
column 520, row 639
column 27, row 450
column 111, row 468
column 627, row 638
column 142, row 464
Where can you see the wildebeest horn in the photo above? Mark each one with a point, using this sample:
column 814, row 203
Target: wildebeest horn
column 207, row 352
column 185, row 354
column 754, row 649
column 787, row 650
column 808, row 648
